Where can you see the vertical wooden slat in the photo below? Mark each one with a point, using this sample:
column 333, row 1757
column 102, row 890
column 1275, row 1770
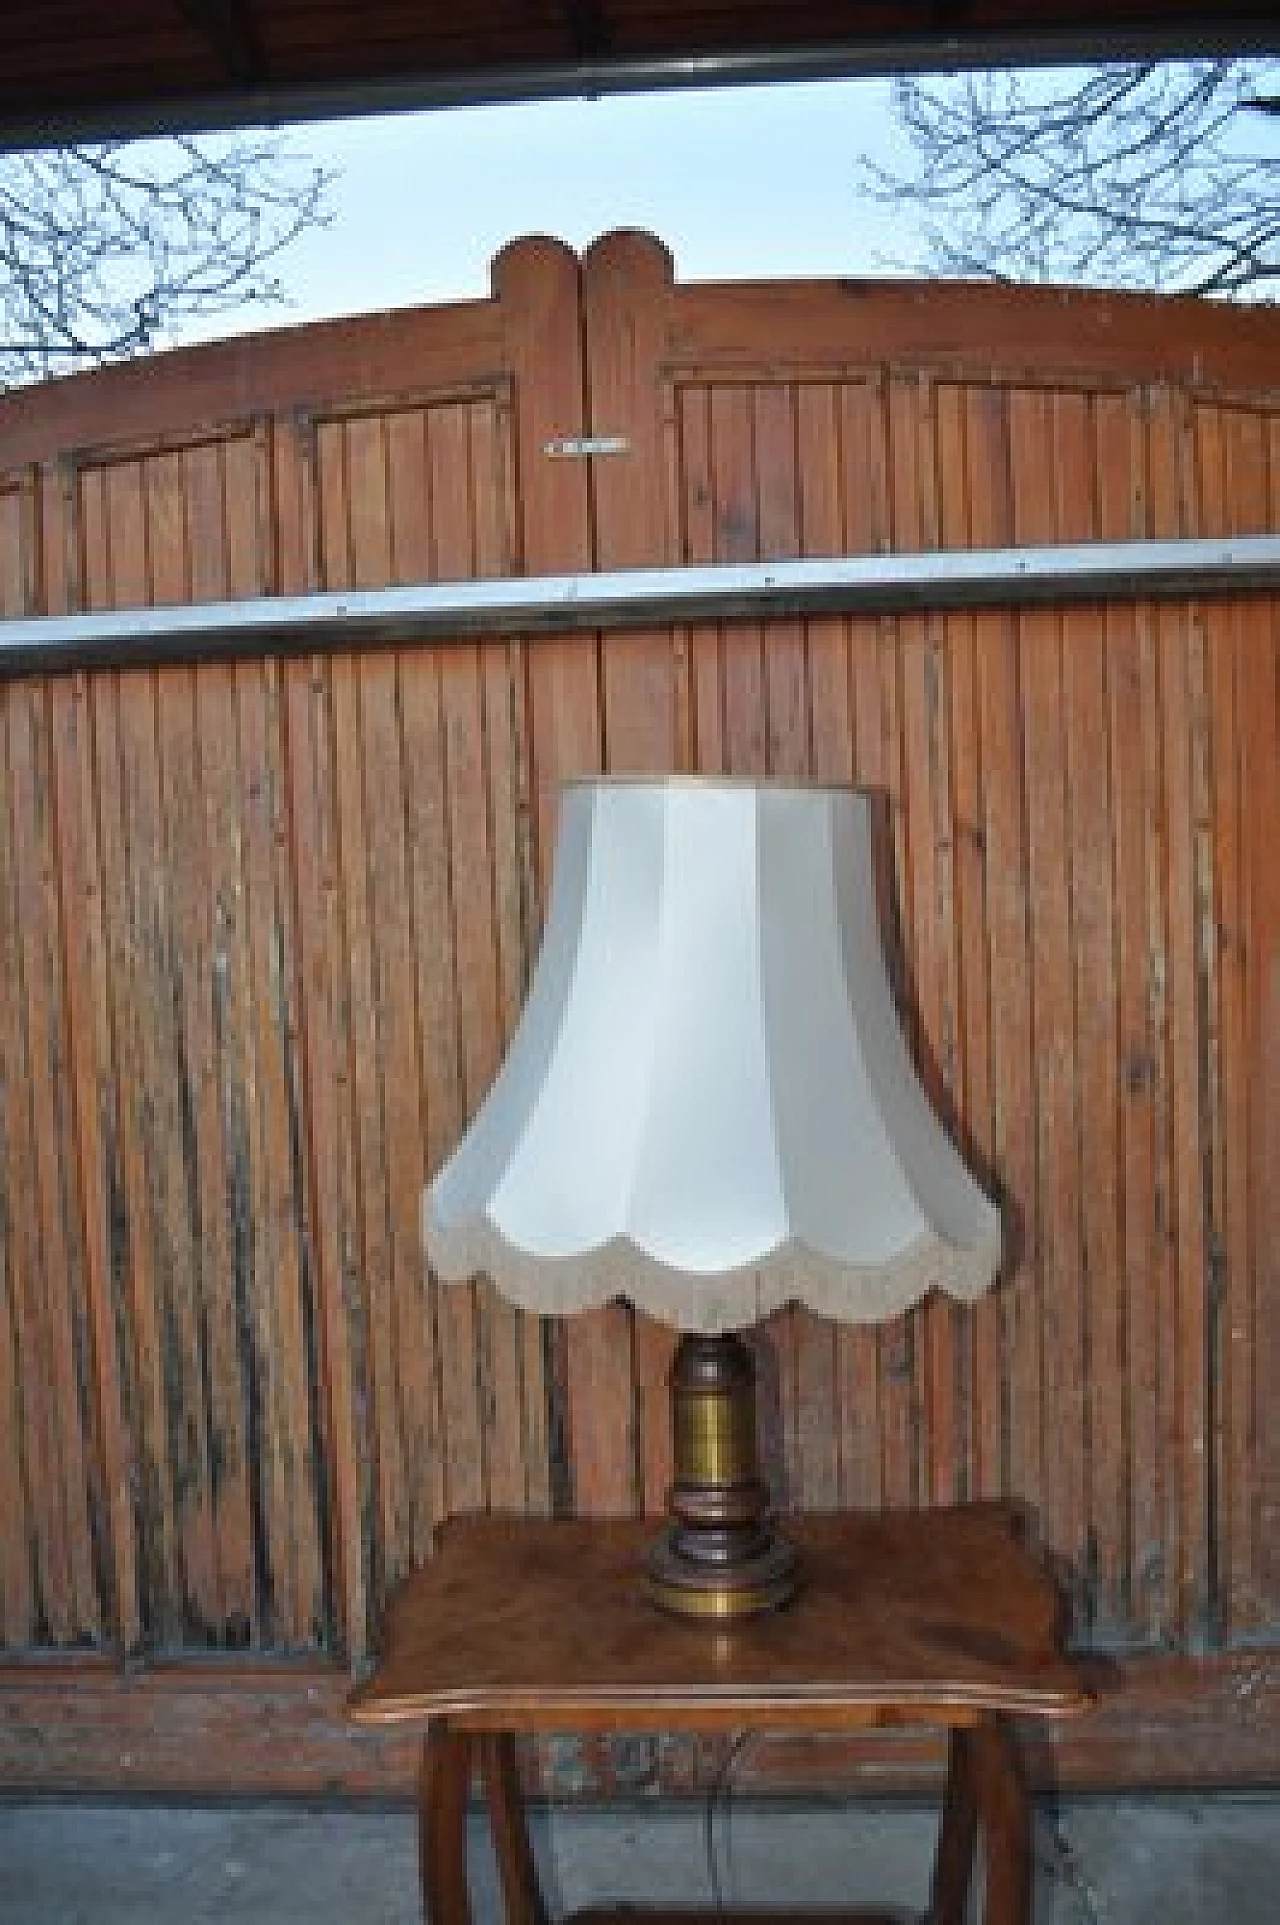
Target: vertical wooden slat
column 246, row 796
column 215, row 1017
column 468, row 906
column 803, row 1348
column 1183, row 1387
column 393, row 1163
column 280, row 1311
column 536, row 284
column 1099, row 1551
column 817, row 492
column 86, row 570
column 334, row 1215
column 514, row 1396
column 1199, row 1142
column 928, row 890
column 428, row 1073
column 52, row 1310
column 23, row 1445
column 788, row 702
column 626, row 286
column 1010, row 936
column 904, row 1343
column 435, row 1060
column 44, row 1544
column 867, row 530
column 1260, row 690
column 702, row 711
column 184, row 963
column 978, row 1349
column 1233, row 470
column 150, row 1144
column 1159, row 1550
column 737, row 538
column 1111, row 1016
column 352, row 498
column 17, row 1577
column 1035, row 425
column 735, row 533
column 903, row 1414
column 1140, row 964
column 1218, row 805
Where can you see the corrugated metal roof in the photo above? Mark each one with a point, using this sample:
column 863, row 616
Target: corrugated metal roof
column 74, row 67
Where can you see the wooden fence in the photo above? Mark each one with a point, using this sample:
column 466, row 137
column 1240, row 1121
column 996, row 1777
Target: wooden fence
column 265, row 928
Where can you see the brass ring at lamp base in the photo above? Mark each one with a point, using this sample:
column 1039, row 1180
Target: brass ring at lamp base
column 689, row 1589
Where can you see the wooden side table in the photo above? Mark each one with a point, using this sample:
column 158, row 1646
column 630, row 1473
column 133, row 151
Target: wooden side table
column 940, row 1618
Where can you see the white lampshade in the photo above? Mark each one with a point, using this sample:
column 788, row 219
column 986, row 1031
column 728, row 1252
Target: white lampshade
column 708, row 1107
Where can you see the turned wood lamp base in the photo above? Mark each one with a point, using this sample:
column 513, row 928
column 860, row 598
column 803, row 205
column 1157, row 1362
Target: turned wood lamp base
column 720, row 1557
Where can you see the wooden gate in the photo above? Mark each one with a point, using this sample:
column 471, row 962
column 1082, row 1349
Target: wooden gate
column 265, row 929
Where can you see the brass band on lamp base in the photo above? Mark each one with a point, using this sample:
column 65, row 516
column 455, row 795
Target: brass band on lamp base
column 720, row 1557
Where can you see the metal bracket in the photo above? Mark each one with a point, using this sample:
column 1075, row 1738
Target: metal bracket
column 580, row 446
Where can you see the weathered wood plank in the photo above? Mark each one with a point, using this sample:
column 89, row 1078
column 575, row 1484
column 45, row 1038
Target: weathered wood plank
column 432, row 1067
column 216, row 1017
column 627, row 283
column 333, row 1213
column 1100, row 675
column 829, row 722
column 343, row 470
column 187, row 970
column 903, row 1367
column 257, row 1729
column 803, row 1350
column 516, row 1443
column 928, row 887
column 282, row 1303
column 23, row 1446
column 1098, row 1360
column 1261, row 708
column 1009, row 912
column 1173, row 510
column 693, row 485
column 113, row 511
column 466, row 903
column 1232, row 465
column 537, row 287
column 1033, row 431
column 978, row 1358
column 865, row 512
column 272, row 1314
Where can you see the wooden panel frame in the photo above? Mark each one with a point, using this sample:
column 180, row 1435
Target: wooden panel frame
column 1085, row 928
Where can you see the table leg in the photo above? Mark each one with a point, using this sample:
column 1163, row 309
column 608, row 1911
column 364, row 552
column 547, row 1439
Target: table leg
column 953, row 1865
column 1005, row 1816
column 519, row 1875
column 443, row 1784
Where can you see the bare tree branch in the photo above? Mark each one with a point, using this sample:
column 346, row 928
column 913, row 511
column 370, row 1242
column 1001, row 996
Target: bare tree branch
column 1148, row 174
column 106, row 250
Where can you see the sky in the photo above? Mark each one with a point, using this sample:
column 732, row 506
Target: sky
column 757, row 181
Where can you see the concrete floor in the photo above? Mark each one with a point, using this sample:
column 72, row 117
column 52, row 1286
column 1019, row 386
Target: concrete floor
column 1143, row 1862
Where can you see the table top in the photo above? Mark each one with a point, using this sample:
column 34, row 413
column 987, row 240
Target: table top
column 523, row 1624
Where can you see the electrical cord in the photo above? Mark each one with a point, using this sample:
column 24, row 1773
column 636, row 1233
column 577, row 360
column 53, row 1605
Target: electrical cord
column 721, row 1787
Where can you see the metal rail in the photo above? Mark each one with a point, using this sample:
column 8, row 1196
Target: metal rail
column 1223, row 30
column 643, row 598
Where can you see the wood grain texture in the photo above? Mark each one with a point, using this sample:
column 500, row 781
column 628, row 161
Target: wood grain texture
column 522, row 1624
column 266, row 930
column 213, row 1729
column 620, row 1365
column 529, row 1627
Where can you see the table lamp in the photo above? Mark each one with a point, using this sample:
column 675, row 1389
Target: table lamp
column 708, row 1108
